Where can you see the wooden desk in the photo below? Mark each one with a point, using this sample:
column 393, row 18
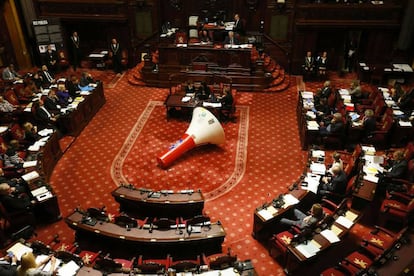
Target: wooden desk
column 262, row 227
column 159, row 204
column 75, row 121
column 98, row 58
column 48, row 156
column 184, row 110
column 109, row 236
column 170, row 54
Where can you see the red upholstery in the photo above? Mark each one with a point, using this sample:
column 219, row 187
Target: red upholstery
column 89, row 257
column 220, row 260
column 152, row 265
column 11, row 97
column 397, row 207
column 357, row 261
column 185, row 265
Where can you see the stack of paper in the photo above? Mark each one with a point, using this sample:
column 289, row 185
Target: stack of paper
column 313, row 125
column 289, row 200
column 18, row 249
column 344, row 222
column 30, row 176
column 318, row 168
column 330, row 236
column 308, row 250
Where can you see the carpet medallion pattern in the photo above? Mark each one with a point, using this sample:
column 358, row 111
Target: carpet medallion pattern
column 214, row 168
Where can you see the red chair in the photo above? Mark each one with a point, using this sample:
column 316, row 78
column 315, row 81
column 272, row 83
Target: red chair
column 220, row 260
column 357, row 262
column 380, row 241
column 185, row 265
column 11, row 97
column 397, row 207
column 380, row 137
column 89, row 257
column 152, row 266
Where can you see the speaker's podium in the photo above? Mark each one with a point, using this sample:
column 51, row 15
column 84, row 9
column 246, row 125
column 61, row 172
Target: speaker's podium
column 46, row 207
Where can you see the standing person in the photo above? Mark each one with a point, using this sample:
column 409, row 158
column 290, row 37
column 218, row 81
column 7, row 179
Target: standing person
column 238, row 25
column 322, row 64
column 115, row 53
column 76, row 52
column 51, row 58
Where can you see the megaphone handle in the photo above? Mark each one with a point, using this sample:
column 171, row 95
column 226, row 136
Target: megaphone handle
column 184, row 144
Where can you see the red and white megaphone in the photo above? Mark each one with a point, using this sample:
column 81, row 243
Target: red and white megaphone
column 204, row 129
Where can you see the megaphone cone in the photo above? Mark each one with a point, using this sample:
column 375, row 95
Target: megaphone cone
column 204, row 129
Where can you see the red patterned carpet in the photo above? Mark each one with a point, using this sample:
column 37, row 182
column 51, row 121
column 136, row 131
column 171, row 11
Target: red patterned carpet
column 261, row 157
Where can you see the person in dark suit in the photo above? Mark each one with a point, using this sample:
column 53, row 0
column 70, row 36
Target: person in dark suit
column 302, row 220
column 47, row 76
column 47, row 118
column 335, row 126
column 51, row 102
column 72, row 84
column 86, row 79
column 397, row 166
column 369, row 123
column 115, row 54
column 203, row 92
column 322, row 64
column 335, row 183
column 14, row 200
column 75, row 50
column 309, row 63
column 50, row 59
column 226, row 99
column 239, row 25
column 325, row 91
column 190, row 89
column 231, row 39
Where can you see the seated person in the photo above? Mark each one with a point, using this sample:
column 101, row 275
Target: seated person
column 397, row 166
column 355, row 91
column 47, row 77
column 337, row 161
column 11, row 157
column 369, row 123
column 38, row 79
column 86, row 79
column 72, row 84
column 190, row 89
column 10, row 74
column 335, row 126
column 335, row 183
column 226, row 99
column 231, row 39
column 8, row 265
column 322, row 63
column 47, row 118
column 405, row 102
column 302, row 220
column 325, row 91
column 5, row 106
column 322, row 109
column 204, row 36
column 28, row 265
column 13, row 199
column 203, row 92
column 30, row 132
column 396, row 92
column 238, row 25
column 63, row 95
column 51, row 102
column 309, row 63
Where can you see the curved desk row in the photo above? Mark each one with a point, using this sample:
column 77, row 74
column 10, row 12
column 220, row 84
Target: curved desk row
column 169, row 204
column 142, row 240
